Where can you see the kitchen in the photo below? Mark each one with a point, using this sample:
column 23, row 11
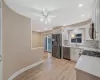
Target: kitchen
column 81, row 44
column 71, row 38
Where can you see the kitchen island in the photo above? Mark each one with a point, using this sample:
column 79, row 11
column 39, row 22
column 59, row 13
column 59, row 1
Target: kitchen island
column 88, row 67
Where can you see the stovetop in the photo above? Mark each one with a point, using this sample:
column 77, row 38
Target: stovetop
column 91, row 53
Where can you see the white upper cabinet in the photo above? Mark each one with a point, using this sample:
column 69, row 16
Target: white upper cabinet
column 97, row 14
column 64, row 36
column 96, row 18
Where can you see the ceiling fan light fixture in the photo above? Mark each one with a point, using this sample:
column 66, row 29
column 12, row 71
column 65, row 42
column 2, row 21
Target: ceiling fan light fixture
column 41, row 19
column 80, row 5
column 46, row 22
column 82, row 15
column 49, row 20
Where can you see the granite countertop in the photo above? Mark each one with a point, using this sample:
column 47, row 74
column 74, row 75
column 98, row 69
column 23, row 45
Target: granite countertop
column 84, row 48
column 89, row 65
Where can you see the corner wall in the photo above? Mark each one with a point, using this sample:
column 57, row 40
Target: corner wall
column 36, row 39
column 16, row 44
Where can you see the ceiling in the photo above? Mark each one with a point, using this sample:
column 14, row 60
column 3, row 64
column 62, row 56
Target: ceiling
column 66, row 11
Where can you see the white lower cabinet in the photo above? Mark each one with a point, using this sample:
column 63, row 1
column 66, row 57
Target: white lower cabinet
column 74, row 54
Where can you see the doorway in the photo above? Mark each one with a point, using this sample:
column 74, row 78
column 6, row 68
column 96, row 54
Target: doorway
column 47, row 42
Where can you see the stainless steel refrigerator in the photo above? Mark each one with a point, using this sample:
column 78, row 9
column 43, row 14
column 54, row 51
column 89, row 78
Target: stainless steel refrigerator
column 56, row 45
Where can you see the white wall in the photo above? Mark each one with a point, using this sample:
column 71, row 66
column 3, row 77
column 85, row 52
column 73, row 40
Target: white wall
column 36, row 39
column 17, row 52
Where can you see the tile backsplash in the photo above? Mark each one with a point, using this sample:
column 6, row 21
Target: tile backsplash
column 92, row 44
column 88, row 43
column 99, row 44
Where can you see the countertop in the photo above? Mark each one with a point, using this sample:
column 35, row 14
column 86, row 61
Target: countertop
column 89, row 65
column 84, row 48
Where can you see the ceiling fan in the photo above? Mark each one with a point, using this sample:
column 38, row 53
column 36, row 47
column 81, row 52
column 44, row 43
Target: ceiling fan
column 44, row 15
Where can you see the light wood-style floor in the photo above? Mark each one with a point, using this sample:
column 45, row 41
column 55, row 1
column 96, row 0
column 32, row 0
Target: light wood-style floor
column 51, row 69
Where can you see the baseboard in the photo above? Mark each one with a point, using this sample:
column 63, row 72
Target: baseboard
column 24, row 69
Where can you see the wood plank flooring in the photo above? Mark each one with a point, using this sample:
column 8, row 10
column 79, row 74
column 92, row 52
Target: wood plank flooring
column 51, row 69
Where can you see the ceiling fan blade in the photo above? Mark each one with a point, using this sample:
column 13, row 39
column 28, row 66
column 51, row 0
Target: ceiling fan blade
column 52, row 16
column 36, row 14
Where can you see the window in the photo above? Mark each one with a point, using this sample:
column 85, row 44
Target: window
column 76, row 36
column 77, row 39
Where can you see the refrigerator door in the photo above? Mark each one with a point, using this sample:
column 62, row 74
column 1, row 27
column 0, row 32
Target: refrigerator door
column 56, row 47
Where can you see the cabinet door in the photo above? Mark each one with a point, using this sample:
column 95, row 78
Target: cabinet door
column 72, row 54
column 97, row 16
column 98, row 19
column 77, row 51
column 64, row 36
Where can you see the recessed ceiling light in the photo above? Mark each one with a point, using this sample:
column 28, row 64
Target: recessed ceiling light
column 80, row 5
column 82, row 15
